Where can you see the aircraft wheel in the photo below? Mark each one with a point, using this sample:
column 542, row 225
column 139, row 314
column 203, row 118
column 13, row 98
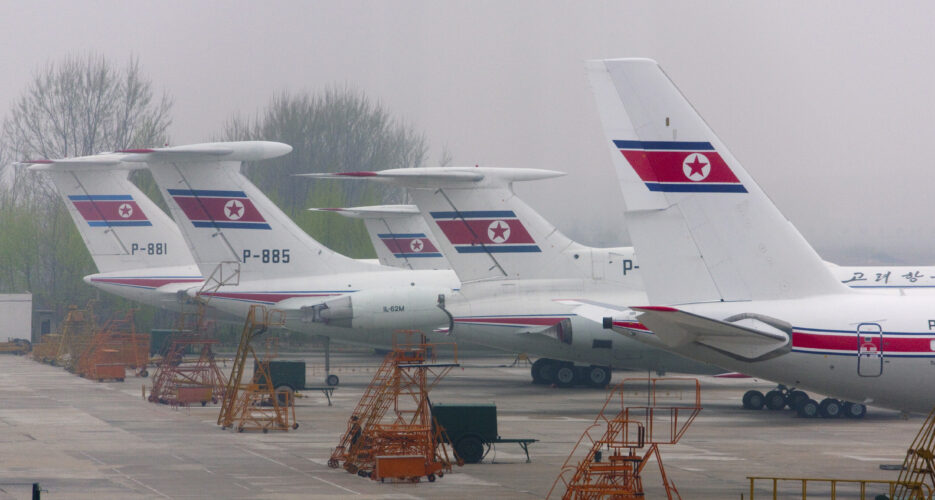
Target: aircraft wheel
column 808, row 409
column 796, row 398
column 854, row 410
column 332, row 380
column 830, row 408
column 775, row 400
column 542, row 371
column 753, row 400
column 598, row 376
column 565, row 375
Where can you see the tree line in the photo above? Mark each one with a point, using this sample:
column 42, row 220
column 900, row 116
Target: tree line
column 86, row 104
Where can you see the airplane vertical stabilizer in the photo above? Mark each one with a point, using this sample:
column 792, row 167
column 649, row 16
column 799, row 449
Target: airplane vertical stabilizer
column 122, row 228
column 225, row 218
column 702, row 228
column 399, row 235
column 482, row 227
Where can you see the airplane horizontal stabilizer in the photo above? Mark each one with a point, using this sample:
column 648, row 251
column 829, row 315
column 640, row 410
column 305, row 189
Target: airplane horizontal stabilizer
column 438, row 177
column 373, row 211
column 218, row 151
column 747, row 337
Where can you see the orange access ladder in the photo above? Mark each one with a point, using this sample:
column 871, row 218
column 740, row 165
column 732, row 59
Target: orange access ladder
column 609, row 458
column 371, row 408
column 918, row 473
column 402, row 444
column 254, row 405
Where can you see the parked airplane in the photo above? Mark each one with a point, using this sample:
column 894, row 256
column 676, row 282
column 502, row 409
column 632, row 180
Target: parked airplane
column 514, row 266
column 752, row 295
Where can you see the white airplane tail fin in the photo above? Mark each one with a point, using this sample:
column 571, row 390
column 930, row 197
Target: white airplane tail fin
column 225, row 218
column 399, row 235
column 702, row 228
column 122, row 228
column 482, row 227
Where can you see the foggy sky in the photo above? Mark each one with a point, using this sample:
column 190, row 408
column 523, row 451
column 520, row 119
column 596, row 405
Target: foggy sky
column 828, row 105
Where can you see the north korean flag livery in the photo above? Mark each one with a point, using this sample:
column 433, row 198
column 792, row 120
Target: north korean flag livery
column 485, row 231
column 406, row 245
column 101, row 210
column 680, row 167
column 218, row 208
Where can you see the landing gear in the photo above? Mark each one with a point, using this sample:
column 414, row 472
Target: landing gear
column 547, row 371
column 854, row 410
column 796, row 398
column 808, row 409
column 783, row 397
column 598, row 376
column 775, row 400
column 565, row 375
column 543, row 371
column 753, row 400
column 830, row 408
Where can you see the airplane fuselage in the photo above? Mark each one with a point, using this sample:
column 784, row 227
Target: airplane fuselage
column 888, row 364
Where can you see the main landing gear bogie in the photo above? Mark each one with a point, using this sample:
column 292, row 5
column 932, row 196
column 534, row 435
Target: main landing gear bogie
column 804, row 406
column 547, row 371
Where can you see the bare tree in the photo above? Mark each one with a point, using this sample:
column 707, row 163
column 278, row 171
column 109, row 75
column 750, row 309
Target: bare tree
column 83, row 105
column 337, row 130
column 75, row 106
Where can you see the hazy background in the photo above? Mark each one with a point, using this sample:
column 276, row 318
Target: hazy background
column 828, row 105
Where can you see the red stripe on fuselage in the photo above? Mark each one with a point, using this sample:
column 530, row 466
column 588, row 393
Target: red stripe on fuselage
column 849, row 342
column 549, row 321
column 265, row 297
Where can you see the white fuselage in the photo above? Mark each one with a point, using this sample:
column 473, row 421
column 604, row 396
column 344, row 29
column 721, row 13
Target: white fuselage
column 827, row 352
column 515, row 316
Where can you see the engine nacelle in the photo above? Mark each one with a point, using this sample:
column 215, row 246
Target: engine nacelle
column 386, row 308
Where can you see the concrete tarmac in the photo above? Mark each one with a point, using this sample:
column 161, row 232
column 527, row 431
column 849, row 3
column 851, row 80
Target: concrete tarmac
column 82, row 439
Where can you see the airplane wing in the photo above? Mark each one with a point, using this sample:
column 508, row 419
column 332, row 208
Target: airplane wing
column 748, row 337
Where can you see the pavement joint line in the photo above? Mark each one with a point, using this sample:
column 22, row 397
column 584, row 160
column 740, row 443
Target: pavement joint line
column 299, row 471
column 137, row 481
column 118, row 472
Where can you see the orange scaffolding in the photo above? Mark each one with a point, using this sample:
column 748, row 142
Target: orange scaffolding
column 609, row 458
column 254, row 405
column 114, row 348
column 47, row 348
column 77, row 329
column 178, row 382
column 405, row 443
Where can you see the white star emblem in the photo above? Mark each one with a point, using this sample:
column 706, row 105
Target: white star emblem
column 233, row 209
column 696, row 167
column 498, row 231
column 125, row 210
column 416, row 246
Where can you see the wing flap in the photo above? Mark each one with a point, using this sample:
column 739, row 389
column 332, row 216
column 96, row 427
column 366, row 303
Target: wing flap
column 747, row 336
